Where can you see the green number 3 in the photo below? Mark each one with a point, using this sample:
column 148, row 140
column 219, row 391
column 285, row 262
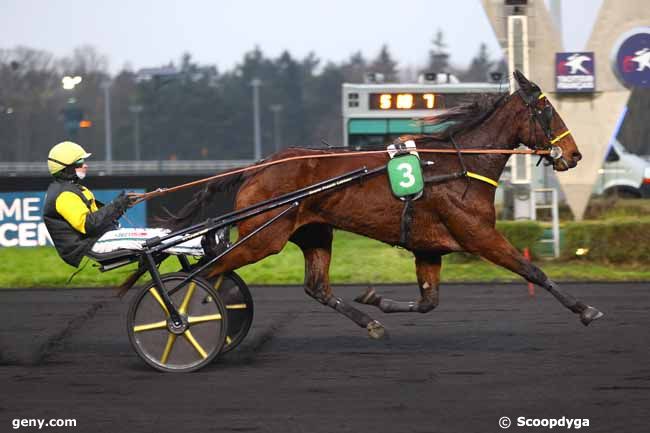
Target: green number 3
column 407, row 174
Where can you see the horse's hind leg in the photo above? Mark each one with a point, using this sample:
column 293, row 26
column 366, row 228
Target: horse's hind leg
column 268, row 241
column 315, row 241
column 428, row 267
column 498, row 250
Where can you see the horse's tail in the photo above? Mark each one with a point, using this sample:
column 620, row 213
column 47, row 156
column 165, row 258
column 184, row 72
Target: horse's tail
column 130, row 281
column 189, row 213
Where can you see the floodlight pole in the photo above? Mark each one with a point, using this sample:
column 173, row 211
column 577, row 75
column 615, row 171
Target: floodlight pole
column 106, row 86
column 276, row 109
column 256, row 83
column 136, row 110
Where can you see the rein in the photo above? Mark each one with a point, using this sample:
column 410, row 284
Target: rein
column 162, row 191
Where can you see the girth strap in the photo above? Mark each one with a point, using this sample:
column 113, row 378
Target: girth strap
column 445, row 177
column 405, row 223
column 407, row 212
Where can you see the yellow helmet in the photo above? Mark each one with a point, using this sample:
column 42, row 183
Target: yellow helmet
column 64, row 154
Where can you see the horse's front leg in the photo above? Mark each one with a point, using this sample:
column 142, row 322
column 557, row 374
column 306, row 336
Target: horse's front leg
column 494, row 247
column 428, row 272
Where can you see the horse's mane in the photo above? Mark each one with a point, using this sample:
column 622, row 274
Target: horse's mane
column 465, row 116
column 472, row 112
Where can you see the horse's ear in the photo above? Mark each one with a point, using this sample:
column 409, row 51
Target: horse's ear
column 523, row 82
column 521, row 78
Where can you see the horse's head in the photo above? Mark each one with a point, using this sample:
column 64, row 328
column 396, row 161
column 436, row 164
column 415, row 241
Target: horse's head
column 545, row 128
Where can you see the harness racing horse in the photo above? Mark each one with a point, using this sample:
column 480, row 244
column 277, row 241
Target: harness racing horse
column 455, row 215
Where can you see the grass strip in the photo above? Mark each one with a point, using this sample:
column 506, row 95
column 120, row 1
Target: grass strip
column 355, row 260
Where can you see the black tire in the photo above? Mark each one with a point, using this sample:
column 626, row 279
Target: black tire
column 235, row 293
column 203, row 340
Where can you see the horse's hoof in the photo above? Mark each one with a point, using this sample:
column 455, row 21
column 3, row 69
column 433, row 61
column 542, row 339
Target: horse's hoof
column 369, row 297
column 376, row 330
column 589, row 315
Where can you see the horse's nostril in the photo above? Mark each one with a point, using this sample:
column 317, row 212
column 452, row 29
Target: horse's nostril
column 577, row 156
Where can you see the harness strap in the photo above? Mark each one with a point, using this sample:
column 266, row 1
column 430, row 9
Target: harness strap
column 482, row 178
column 445, row 177
column 439, row 178
column 405, row 223
column 407, row 212
column 462, row 163
column 561, row 136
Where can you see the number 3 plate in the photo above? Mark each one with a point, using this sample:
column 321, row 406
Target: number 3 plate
column 405, row 175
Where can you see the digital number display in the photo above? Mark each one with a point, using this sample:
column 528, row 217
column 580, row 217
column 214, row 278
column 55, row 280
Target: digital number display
column 406, row 101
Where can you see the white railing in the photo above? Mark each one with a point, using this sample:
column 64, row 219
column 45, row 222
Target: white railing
column 555, row 214
column 103, row 168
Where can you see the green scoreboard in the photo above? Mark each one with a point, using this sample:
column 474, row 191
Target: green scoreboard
column 380, row 112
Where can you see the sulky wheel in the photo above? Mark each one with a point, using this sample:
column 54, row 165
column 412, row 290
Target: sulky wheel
column 201, row 309
column 239, row 303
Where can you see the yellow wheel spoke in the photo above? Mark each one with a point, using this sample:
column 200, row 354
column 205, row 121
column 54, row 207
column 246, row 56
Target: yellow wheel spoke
column 190, row 338
column 150, row 326
column 156, row 295
column 228, row 339
column 217, row 284
column 193, row 320
column 168, row 348
column 236, row 307
column 188, row 296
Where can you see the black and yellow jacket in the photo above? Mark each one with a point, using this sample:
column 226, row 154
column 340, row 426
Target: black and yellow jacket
column 75, row 220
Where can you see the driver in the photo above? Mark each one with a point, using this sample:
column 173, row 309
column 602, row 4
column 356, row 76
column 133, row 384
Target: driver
column 79, row 224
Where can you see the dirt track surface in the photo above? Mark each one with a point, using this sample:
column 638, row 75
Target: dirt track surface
column 488, row 351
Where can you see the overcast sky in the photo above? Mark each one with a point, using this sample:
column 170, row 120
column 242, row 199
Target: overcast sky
column 144, row 33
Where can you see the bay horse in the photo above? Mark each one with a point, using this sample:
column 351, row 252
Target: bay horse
column 452, row 216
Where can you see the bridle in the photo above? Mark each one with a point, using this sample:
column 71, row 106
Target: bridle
column 543, row 118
